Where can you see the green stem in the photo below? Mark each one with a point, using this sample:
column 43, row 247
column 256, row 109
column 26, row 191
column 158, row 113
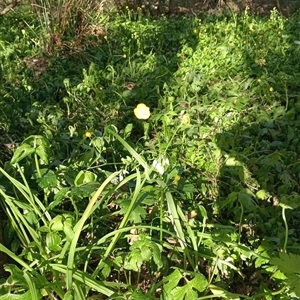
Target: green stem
column 286, row 230
column 241, row 223
column 161, row 220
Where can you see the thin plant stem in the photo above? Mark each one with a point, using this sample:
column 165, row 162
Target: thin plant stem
column 286, row 230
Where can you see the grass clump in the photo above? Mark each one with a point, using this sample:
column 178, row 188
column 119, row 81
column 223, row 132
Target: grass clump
column 159, row 162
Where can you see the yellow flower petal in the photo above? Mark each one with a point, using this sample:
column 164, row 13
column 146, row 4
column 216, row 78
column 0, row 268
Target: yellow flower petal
column 142, row 111
column 88, row 134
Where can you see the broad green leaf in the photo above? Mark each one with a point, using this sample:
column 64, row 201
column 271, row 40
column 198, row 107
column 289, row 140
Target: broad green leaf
column 142, row 251
column 84, row 190
column 68, row 230
column 288, row 263
column 60, row 222
column 156, row 252
column 247, row 201
column 171, row 282
column 84, row 177
column 199, row 282
column 53, row 241
column 261, row 194
column 48, row 180
column 179, row 293
column 137, row 214
column 57, row 223
column 134, row 261
column 24, row 296
column 290, row 201
column 21, row 152
column 203, row 211
column 16, row 274
column 61, row 194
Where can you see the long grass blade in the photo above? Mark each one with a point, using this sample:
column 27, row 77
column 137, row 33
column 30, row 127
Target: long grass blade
column 79, row 226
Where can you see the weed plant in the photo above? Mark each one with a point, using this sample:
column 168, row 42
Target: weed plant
column 197, row 200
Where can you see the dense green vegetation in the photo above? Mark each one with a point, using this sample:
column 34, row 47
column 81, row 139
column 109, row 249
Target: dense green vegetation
column 199, row 200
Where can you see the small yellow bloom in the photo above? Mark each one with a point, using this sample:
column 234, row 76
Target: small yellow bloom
column 176, row 179
column 124, row 55
column 185, row 120
column 88, row 134
column 271, row 89
column 142, row 111
column 259, row 80
column 105, row 37
column 194, row 31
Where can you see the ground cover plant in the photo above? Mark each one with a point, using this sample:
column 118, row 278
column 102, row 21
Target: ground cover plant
column 150, row 158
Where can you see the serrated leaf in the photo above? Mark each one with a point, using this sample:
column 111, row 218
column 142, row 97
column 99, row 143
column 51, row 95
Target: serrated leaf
column 172, row 282
column 134, row 261
column 288, row 263
column 137, row 214
column 146, row 252
column 48, row 180
column 84, row 190
column 294, row 284
column 199, row 282
column 179, row 293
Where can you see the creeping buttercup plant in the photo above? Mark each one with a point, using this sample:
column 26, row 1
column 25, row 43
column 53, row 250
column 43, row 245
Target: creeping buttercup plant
column 159, row 162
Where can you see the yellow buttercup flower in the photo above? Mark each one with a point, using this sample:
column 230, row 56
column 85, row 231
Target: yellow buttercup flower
column 142, row 111
column 88, row 134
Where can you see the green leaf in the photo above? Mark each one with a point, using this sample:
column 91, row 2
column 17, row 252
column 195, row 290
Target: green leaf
column 199, row 282
column 53, row 241
column 68, row 295
column 156, row 252
column 21, row 152
column 179, row 293
column 261, row 194
column 60, row 222
column 221, row 293
column 291, row 201
column 25, row 296
column 288, row 263
column 142, row 251
column 48, row 180
column 84, row 177
column 171, row 282
column 33, row 144
column 137, row 214
column 61, row 194
column 84, row 190
column 134, row 261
